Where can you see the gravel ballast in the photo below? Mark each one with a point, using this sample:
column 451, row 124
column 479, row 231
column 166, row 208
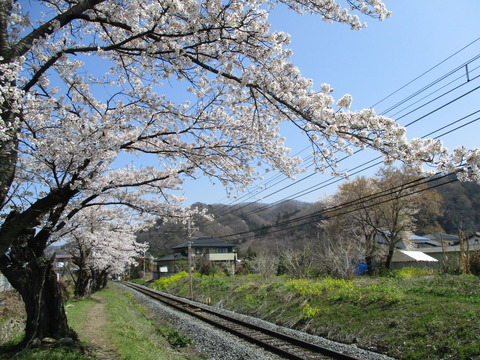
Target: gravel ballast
column 217, row 344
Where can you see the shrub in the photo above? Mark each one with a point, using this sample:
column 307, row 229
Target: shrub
column 309, row 288
column 176, row 339
column 411, row 272
column 245, row 287
column 166, row 282
column 308, row 312
column 386, row 293
column 475, row 262
column 215, row 283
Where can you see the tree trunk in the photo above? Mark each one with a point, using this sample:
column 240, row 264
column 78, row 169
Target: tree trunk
column 33, row 277
column 104, row 281
column 100, row 279
column 388, row 260
column 83, row 283
column 89, row 281
column 369, row 261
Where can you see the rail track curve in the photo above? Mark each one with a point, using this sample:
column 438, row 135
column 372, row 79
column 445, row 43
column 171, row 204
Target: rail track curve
column 285, row 346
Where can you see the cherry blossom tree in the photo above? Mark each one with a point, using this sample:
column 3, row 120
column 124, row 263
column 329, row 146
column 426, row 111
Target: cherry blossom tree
column 102, row 241
column 87, row 86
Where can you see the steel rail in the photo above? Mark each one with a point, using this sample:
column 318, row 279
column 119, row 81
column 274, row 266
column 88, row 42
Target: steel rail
column 289, row 348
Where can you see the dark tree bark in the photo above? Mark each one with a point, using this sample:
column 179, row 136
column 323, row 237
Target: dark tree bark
column 83, row 284
column 370, row 248
column 8, row 160
column 100, row 279
column 31, row 273
column 388, row 260
column 33, row 277
column 369, row 262
column 89, row 280
column 83, row 278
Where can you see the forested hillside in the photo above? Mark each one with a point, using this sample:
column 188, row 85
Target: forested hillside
column 461, row 206
column 273, row 227
column 249, row 225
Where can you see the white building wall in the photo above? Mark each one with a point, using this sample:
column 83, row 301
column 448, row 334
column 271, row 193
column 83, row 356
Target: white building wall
column 221, row 257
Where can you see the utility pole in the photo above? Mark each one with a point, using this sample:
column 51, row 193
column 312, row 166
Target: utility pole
column 190, row 232
column 190, row 269
column 144, row 259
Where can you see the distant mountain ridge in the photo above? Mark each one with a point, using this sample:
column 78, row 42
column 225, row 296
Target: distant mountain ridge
column 244, row 225
column 270, row 227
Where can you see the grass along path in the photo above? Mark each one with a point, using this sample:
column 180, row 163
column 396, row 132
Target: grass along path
column 111, row 326
column 116, row 327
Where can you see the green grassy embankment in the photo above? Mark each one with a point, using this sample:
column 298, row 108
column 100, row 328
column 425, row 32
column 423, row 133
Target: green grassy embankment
column 408, row 315
column 135, row 336
column 127, row 329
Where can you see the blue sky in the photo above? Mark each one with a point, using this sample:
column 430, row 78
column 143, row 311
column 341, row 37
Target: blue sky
column 372, row 64
column 418, row 45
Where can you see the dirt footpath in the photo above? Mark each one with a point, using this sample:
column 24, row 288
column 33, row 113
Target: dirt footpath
column 93, row 332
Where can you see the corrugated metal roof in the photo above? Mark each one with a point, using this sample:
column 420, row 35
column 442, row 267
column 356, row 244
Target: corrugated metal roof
column 414, row 237
column 411, row 256
column 441, row 236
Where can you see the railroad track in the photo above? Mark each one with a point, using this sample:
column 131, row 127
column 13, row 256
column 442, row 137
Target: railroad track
column 280, row 344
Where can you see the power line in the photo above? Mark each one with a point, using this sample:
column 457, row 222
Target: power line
column 438, row 80
column 426, row 72
column 347, row 206
column 330, row 182
column 442, row 106
column 437, row 90
column 352, row 210
column 423, row 105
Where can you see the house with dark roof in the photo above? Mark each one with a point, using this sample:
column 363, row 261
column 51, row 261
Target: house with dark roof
column 63, row 265
column 417, row 241
column 202, row 250
column 445, row 239
column 448, row 252
column 473, row 238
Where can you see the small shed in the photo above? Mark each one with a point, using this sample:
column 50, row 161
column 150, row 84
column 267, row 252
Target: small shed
column 168, row 265
column 404, row 258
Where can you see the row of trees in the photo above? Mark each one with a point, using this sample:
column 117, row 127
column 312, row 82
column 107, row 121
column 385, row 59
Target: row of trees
column 391, row 205
column 305, row 261
column 363, row 222
column 103, row 243
column 88, row 118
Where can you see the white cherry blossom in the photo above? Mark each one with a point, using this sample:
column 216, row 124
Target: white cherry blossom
column 114, row 103
column 89, row 115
